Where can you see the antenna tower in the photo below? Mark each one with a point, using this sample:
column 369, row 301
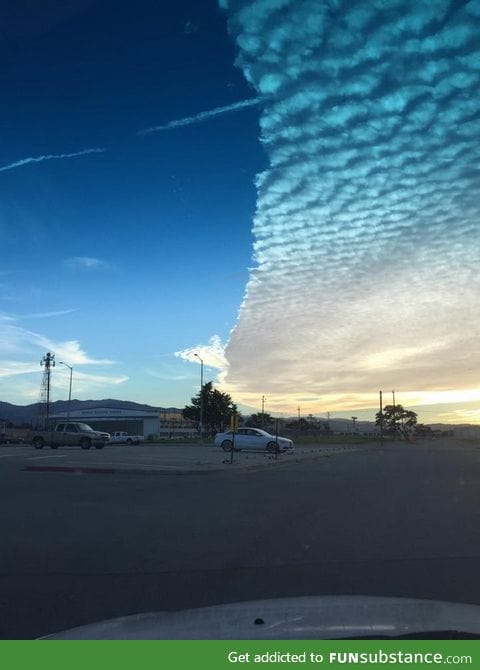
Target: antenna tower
column 47, row 362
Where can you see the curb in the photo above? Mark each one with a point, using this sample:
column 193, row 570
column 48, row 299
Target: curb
column 66, row 468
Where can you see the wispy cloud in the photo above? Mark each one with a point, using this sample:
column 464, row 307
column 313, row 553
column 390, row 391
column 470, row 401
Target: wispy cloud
column 366, row 226
column 190, row 27
column 20, row 353
column 45, row 315
column 85, row 263
column 85, row 381
column 202, row 116
column 14, row 338
column 49, row 157
column 212, row 354
column 166, row 376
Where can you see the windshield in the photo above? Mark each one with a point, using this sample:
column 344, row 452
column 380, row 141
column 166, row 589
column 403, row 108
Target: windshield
column 243, row 235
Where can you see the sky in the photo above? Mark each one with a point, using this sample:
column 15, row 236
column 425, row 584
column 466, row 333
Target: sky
column 287, row 188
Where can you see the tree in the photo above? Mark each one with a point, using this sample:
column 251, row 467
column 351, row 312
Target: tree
column 217, row 409
column 302, row 424
column 396, row 420
column 422, row 431
column 259, row 420
column 309, row 425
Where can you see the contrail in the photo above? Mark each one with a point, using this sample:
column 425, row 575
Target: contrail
column 49, row 157
column 202, row 116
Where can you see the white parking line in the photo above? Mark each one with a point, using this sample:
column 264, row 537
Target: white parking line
column 37, row 458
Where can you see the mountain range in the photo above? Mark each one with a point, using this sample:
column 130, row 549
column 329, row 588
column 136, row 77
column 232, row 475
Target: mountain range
column 23, row 414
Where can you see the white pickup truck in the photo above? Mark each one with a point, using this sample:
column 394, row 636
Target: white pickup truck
column 121, row 437
column 73, row 434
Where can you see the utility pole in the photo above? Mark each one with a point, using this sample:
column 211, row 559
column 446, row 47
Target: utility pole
column 201, row 395
column 381, row 420
column 263, row 410
column 298, row 410
column 394, row 417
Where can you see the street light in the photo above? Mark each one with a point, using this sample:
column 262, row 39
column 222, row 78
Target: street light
column 394, row 417
column 69, row 388
column 201, row 395
column 354, row 418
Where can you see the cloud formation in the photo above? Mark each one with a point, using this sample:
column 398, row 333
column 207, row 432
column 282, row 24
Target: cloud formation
column 85, row 263
column 28, row 343
column 45, row 315
column 20, row 353
column 49, row 157
column 212, row 354
column 367, row 240
column 202, row 116
column 176, row 123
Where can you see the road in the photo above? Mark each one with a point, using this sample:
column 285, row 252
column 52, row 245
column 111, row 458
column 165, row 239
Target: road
column 80, row 546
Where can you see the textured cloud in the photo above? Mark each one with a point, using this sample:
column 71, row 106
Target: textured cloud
column 367, row 242
column 49, row 157
column 202, row 116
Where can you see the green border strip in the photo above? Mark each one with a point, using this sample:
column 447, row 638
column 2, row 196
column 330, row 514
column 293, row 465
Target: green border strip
column 238, row 654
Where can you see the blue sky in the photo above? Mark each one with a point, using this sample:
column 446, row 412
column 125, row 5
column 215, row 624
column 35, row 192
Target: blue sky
column 315, row 239
column 148, row 243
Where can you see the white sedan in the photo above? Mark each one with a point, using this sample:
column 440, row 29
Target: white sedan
column 252, row 438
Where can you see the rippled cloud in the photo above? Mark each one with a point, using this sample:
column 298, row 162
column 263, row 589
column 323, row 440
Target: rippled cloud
column 367, row 242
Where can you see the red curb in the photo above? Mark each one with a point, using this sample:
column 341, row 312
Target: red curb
column 64, row 468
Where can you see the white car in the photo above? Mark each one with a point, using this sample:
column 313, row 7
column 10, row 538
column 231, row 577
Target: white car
column 252, row 438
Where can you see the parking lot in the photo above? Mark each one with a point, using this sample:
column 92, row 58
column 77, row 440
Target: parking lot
column 155, row 458
column 79, row 547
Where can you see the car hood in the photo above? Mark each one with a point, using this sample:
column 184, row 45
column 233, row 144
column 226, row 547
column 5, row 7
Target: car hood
column 322, row 617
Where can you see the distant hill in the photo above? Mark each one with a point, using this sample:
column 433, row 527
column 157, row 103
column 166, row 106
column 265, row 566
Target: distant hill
column 20, row 414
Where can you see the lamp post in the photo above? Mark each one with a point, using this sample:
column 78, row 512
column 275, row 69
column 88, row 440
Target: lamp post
column 381, row 418
column 394, row 417
column 354, row 418
column 69, row 388
column 263, row 410
column 201, row 395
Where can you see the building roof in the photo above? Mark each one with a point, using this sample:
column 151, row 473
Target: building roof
column 106, row 413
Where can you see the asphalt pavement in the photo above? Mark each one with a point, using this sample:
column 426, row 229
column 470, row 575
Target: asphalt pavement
column 96, row 539
column 157, row 458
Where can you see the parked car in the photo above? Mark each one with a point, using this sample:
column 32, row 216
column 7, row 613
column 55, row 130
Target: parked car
column 252, row 438
column 122, row 437
column 75, row 433
column 5, row 438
